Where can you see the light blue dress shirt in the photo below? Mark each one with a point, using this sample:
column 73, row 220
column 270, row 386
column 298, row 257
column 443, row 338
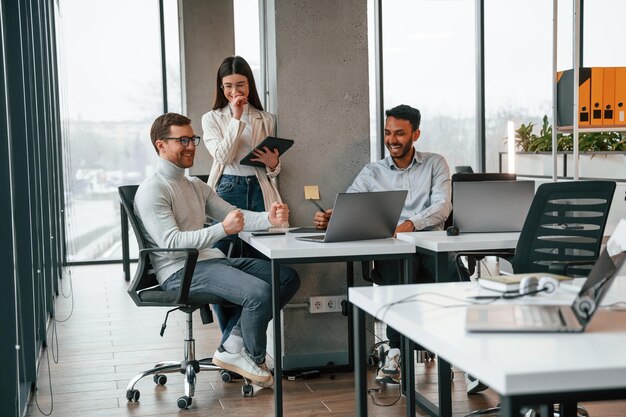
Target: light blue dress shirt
column 427, row 180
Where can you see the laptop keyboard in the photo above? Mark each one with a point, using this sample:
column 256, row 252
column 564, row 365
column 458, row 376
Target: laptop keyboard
column 537, row 316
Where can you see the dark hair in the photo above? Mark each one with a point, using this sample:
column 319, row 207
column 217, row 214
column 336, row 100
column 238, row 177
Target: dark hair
column 405, row 112
column 161, row 126
column 235, row 65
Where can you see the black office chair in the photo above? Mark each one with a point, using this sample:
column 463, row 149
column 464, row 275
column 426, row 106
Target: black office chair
column 563, row 231
column 562, row 234
column 145, row 291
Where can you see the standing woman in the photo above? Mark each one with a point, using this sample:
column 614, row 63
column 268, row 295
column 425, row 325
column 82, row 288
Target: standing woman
column 235, row 126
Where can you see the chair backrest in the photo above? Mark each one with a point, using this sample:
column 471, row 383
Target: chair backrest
column 467, row 176
column 145, row 276
column 565, row 223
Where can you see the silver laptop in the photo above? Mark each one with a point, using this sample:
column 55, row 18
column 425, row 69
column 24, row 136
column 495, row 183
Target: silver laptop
column 362, row 216
column 491, row 206
column 556, row 318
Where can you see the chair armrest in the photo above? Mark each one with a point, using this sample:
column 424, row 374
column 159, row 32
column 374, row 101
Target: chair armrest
column 478, row 254
column 190, row 265
column 561, row 267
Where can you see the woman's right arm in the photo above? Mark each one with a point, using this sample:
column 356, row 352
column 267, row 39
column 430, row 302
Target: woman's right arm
column 221, row 143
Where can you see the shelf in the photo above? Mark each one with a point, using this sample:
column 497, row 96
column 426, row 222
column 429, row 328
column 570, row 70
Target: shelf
column 570, row 129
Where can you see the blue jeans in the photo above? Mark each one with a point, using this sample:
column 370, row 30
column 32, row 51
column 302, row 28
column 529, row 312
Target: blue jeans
column 245, row 282
column 244, row 193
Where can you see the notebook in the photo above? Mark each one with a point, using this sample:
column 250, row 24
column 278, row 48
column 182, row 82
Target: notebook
column 556, row 318
column 491, row 206
column 362, row 216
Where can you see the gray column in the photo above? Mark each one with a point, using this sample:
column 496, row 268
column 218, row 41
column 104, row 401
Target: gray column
column 207, row 37
column 318, row 85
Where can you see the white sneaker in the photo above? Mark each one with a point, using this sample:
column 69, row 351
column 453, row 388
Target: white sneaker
column 390, row 371
column 242, row 364
column 266, row 384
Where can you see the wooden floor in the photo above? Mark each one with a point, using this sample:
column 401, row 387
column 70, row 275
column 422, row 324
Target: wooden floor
column 107, row 340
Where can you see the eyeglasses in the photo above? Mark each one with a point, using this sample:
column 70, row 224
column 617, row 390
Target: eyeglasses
column 184, row 140
column 238, row 86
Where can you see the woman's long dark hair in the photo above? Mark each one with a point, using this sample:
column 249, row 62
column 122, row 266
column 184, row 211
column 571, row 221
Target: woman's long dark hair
column 235, row 65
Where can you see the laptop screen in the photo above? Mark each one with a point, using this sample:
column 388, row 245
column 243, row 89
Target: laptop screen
column 491, row 206
column 602, row 275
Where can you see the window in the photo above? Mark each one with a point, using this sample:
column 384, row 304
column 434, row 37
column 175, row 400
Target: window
column 114, row 91
column 428, row 63
column 248, row 41
column 518, row 68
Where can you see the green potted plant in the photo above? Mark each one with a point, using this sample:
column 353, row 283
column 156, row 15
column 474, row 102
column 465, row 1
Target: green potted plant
column 601, row 153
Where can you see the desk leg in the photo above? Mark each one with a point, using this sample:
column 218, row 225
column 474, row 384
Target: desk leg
column 445, row 387
column 441, row 267
column 408, row 376
column 360, row 374
column 350, row 283
column 278, row 352
column 408, row 370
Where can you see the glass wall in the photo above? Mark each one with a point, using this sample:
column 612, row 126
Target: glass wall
column 114, row 90
column 248, row 40
column 603, row 33
column 428, row 63
column 518, row 68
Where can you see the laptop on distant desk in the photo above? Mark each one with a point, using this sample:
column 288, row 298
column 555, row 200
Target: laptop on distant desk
column 556, row 318
column 491, row 206
column 362, row 216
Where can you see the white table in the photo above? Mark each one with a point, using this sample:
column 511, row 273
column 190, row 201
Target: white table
column 438, row 244
column 525, row 369
column 286, row 249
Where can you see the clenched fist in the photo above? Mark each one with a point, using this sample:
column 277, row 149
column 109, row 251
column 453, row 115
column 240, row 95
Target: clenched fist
column 279, row 213
column 233, row 222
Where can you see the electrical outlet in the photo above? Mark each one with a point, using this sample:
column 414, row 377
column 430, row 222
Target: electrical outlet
column 325, row 304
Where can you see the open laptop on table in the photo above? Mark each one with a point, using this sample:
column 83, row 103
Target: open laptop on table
column 491, row 206
column 362, row 216
column 556, row 318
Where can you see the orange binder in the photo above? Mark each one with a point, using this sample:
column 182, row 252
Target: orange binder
column 597, row 88
column 608, row 96
column 620, row 96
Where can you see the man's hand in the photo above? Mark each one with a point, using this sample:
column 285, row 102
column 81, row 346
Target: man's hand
column 407, row 226
column 279, row 213
column 238, row 102
column 321, row 219
column 233, row 222
column 267, row 157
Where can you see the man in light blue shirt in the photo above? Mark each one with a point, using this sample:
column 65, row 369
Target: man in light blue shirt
column 426, row 177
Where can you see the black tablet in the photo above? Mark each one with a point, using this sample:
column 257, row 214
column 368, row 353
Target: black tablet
column 272, row 143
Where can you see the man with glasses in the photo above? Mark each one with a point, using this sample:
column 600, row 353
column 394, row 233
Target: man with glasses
column 173, row 209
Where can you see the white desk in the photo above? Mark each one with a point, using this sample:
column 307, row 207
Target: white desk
column 439, row 244
column 287, row 249
column 523, row 368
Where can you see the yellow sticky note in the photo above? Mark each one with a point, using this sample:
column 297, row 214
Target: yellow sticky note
column 311, row 192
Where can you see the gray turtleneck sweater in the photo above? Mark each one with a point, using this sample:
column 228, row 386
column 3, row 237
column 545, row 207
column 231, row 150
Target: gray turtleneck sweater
column 173, row 210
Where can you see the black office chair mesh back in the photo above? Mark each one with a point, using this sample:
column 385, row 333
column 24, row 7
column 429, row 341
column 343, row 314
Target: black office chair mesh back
column 565, row 224
column 145, row 277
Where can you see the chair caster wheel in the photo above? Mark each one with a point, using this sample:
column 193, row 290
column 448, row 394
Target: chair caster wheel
column 372, row 360
column 183, row 402
column 160, row 379
column 228, row 376
column 132, row 395
column 247, row 390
